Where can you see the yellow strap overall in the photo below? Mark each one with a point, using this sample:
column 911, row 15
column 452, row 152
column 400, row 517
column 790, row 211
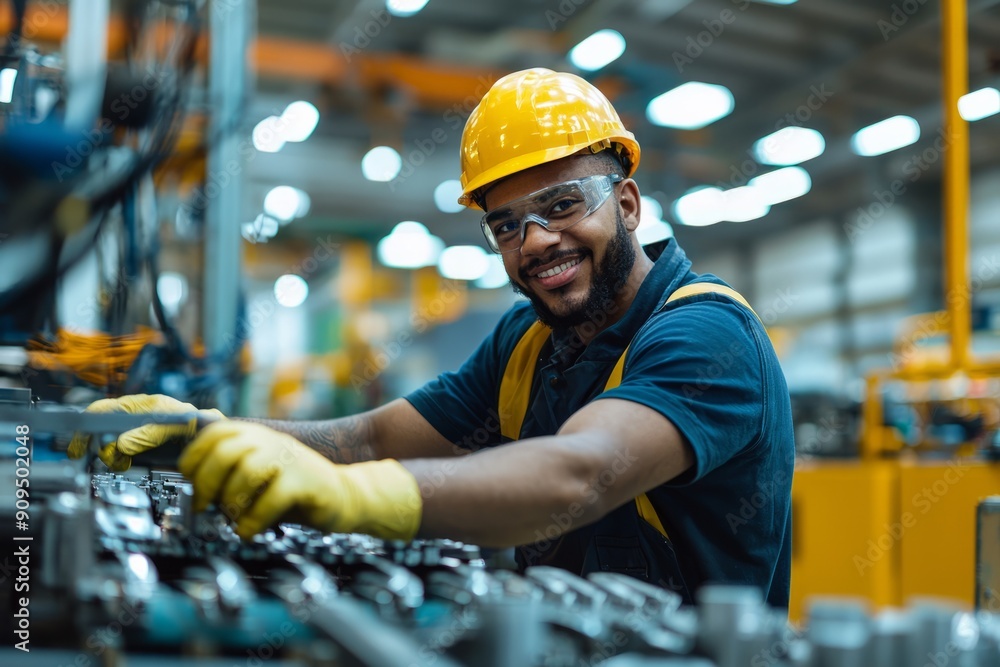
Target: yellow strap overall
column 515, row 386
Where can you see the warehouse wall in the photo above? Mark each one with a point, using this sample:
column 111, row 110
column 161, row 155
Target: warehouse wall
column 838, row 291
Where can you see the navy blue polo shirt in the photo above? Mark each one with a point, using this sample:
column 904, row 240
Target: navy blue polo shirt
column 706, row 364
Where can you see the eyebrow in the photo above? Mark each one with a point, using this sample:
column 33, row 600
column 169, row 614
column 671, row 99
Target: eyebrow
column 553, row 191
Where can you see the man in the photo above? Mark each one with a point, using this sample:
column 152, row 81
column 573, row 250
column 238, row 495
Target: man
column 670, row 462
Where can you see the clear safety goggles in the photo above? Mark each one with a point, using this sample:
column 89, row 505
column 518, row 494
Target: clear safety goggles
column 556, row 208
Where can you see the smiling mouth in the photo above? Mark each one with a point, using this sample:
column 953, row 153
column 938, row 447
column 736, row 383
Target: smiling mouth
column 556, row 270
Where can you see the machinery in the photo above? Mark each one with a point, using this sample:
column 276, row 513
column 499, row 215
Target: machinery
column 903, row 511
column 111, row 569
column 97, row 151
column 109, row 126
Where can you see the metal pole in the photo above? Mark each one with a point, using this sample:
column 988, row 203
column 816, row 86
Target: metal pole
column 955, row 83
column 228, row 74
column 86, row 52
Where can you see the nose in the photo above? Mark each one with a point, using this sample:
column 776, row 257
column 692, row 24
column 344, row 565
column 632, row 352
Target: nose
column 537, row 239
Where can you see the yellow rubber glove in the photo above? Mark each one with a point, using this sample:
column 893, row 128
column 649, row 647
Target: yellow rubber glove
column 258, row 477
column 118, row 455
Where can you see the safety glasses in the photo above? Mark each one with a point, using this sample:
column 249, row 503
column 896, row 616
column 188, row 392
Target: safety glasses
column 556, row 208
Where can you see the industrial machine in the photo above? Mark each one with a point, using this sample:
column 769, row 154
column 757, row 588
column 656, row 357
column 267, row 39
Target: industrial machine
column 114, row 569
column 110, row 125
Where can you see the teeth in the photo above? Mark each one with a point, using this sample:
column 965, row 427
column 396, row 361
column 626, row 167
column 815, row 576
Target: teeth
column 556, row 270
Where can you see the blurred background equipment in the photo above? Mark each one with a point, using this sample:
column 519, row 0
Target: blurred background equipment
column 988, row 554
column 96, row 135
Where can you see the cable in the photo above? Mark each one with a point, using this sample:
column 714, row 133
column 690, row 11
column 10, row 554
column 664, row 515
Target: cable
column 99, row 359
column 170, row 333
column 17, row 30
column 29, row 289
column 166, row 130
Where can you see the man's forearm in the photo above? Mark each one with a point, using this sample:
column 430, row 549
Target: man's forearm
column 509, row 495
column 344, row 440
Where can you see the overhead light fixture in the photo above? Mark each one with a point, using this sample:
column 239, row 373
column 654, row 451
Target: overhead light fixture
column 446, row 196
column 788, row 146
column 776, row 2
column 291, row 290
column 652, row 227
column 286, row 203
column 691, row 106
column 409, row 246
column 463, row 262
column 404, row 7
column 8, row 76
column 885, row 136
column 744, row 204
column 495, row 276
column 261, row 230
column 653, row 232
column 381, row 163
column 782, row 185
column 709, row 205
column 598, row 50
column 172, row 290
column 700, row 207
column 977, row 105
column 298, row 121
column 268, row 136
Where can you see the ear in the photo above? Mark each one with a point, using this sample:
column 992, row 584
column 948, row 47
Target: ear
column 628, row 200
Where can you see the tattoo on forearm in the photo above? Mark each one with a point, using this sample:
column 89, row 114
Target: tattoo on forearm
column 340, row 440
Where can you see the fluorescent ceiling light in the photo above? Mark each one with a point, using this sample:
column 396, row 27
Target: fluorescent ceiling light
column 976, row 105
column 596, row 51
column 446, row 196
column 700, row 207
column 463, row 262
column 788, row 146
column 267, row 135
column 298, row 121
column 776, row 2
column 404, row 7
column 708, row 205
column 7, row 78
column 652, row 232
column 649, row 208
column 782, row 185
column 887, row 135
column 495, row 276
column 691, row 106
column 409, row 246
column 286, row 203
column 291, row 290
column 743, row 204
column 381, row 163
column 410, row 227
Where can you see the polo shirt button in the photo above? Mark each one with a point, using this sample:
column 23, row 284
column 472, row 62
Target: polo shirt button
column 555, row 381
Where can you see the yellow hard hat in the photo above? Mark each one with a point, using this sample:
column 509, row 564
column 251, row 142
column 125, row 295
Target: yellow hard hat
column 536, row 116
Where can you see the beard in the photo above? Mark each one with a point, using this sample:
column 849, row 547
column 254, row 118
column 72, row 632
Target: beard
column 609, row 278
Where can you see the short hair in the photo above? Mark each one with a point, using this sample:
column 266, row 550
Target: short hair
column 611, row 161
